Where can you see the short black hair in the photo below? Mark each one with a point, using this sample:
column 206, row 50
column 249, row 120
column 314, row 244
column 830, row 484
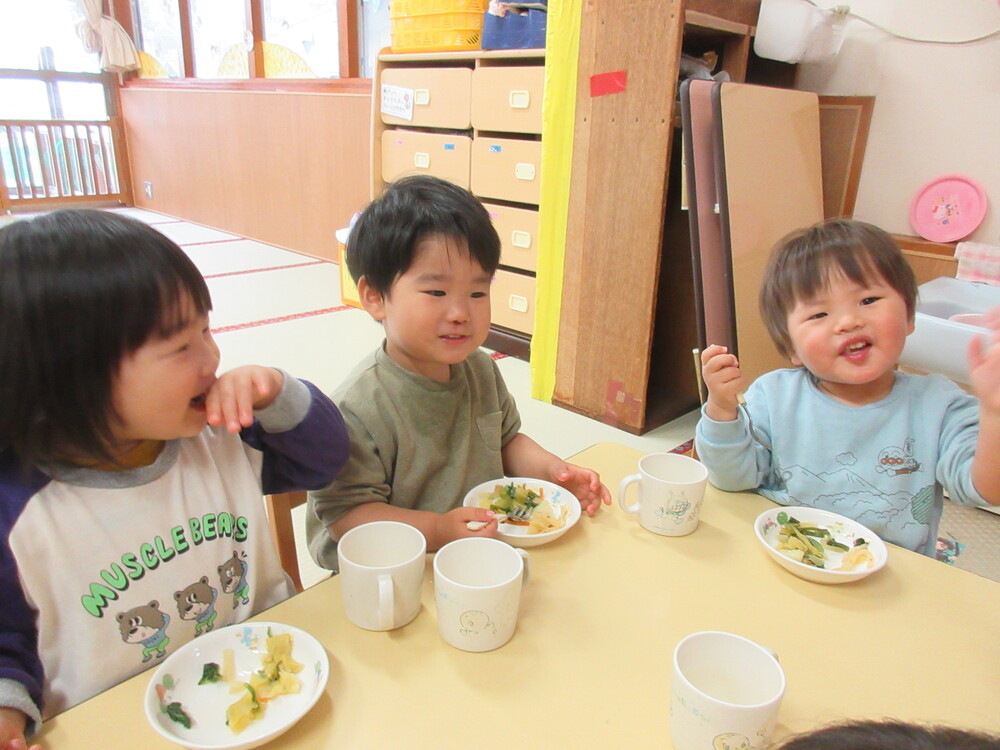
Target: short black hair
column 383, row 239
column 80, row 289
column 801, row 263
column 891, row 735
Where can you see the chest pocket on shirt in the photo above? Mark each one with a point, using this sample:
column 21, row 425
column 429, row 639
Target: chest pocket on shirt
column 490, row 428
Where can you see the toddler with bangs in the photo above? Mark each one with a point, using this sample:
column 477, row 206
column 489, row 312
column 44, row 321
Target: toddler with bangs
column 428, row 412
column 845, row 430
column 131, row 477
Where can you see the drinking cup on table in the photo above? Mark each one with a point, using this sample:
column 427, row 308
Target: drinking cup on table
column 725, row 693
column 671, row 489
column 381, row 573
column 477, row 587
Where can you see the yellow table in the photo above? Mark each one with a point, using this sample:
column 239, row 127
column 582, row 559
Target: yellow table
column 590, row 663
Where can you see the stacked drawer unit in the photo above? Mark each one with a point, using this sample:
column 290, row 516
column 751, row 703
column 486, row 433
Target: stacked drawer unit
column 474, row 119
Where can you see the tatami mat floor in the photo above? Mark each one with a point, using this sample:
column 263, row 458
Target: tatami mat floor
column 281, row 308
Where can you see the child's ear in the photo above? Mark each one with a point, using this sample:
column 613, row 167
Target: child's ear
column 371, row 300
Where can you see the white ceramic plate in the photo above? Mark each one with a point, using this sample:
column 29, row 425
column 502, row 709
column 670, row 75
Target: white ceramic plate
column 177, row 680
column 518, row 536
column 844, row 530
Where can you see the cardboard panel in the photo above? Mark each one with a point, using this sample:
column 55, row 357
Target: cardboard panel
column 770, row 179
column 713, row 269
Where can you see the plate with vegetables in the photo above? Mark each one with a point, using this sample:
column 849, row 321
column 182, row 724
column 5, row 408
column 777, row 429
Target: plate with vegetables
column 531, row 511
column 237, row 687
column 819, row 545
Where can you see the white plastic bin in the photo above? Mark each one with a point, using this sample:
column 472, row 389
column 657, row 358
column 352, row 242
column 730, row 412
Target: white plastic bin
column 938, row 344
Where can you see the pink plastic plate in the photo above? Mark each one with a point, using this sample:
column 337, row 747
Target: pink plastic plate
column 948, row 208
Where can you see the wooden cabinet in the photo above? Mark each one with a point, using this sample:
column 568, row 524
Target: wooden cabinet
column 628, row 323
column 474, row 118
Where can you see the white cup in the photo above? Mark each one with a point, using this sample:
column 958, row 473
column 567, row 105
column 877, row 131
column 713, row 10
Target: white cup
column 381, row 573
column 725, row 694
column 671, row 490
column 477, row 586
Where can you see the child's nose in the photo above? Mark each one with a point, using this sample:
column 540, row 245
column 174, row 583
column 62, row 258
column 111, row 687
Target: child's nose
column 459, row 311
column 211, row 356
column 849, row 321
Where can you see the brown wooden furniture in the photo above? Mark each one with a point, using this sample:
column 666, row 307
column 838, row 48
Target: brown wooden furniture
column 929, row 260
column 279, row 514
column 628, row 323
column 475, row 119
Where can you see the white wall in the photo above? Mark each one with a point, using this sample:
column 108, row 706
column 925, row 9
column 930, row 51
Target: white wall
column 937, row 107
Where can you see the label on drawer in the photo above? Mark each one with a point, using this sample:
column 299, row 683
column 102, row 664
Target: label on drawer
column 397, row 101
column 524, row 171
column 517, row 303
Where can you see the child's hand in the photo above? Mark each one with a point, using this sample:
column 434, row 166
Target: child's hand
column 721, row 371
column 984, row 365
column 233, row 397
column 454, row 525
column 12, row 724
column 584, row 483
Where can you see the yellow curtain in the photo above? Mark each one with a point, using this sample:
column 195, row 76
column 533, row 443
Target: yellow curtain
column 562, row 45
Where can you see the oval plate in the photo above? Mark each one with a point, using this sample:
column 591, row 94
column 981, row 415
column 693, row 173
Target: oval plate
column 177, row 680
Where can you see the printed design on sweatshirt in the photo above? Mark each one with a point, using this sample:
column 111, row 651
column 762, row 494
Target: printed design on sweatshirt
column 133, row 566
column 146, row 626
column 197, row 602
column 894, row 461
column 233, row 575
column 899, row 515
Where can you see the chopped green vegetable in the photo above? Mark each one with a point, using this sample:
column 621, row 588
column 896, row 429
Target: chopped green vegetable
column 210, row 673
column 782, row 518
column 859, row 541
column 177, row 713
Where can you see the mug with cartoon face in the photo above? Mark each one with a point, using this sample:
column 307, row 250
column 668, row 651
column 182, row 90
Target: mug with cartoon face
column 725, row 693
column 671, row 488
column 477, row 587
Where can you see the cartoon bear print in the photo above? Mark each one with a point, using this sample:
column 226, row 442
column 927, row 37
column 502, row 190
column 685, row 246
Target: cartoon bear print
column 197, row 602
column 146, row 625
column 233, row 576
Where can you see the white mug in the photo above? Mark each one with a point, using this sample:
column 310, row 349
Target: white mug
column 725, row 694
column 671, row 489
column 381, row 573
column 477, row 587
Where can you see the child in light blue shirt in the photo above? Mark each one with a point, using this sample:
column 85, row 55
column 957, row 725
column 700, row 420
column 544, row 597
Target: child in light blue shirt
column 846, row 431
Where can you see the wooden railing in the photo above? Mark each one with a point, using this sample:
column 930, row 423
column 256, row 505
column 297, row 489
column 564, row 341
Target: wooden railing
column 61, row 161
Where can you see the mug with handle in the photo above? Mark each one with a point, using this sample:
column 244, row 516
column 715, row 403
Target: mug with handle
column 725, row 693
column 477, row 587
column 671, row 488
column 381, row 573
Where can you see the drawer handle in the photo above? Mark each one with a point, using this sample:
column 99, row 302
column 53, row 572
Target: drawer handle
column 422, row 97
column 517, row 303
column 524, row 171
column 519, row 99
column 520, row 239
column 421, row 160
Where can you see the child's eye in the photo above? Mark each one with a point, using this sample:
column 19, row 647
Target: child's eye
column 477, row 295
column 816, row 316
column 870, row 300
column 435, row 292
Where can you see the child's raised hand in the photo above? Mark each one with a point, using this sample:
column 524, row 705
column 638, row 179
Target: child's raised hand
column 12, row 724
column 984, row 364
column 724, row 380
column 584, row 483
column 233, row 397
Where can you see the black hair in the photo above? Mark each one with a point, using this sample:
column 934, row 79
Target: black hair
column 79, row 291
column 383, row 240
column 801, row 264
column 891, row 735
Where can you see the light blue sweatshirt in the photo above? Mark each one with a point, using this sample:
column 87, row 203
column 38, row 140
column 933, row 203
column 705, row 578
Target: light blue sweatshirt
column 883, row 464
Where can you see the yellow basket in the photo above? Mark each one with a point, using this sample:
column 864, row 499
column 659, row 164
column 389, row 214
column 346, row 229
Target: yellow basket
column 436, row 25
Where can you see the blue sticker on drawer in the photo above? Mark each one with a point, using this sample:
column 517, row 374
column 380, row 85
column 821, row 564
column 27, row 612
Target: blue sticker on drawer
column 449, row 147
column 496, row 149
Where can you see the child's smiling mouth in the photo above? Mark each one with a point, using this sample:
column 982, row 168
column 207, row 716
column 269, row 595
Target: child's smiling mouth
column 856, row 349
